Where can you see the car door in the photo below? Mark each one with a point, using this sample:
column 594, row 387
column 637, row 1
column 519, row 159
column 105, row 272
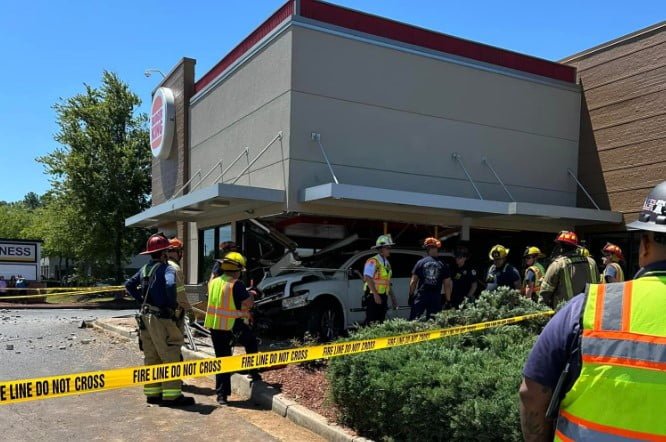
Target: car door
column 402, row 264
column 356, row 312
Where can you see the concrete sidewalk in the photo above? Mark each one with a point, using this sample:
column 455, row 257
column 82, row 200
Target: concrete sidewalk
column 241, row 385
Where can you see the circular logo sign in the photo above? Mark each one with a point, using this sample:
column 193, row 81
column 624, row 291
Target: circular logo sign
column 162, row 121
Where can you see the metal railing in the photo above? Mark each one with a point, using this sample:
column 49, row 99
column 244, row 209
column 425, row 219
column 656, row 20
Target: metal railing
column 254, row 160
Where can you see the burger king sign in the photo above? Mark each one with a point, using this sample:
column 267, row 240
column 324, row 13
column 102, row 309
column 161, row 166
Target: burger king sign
column 162, row 120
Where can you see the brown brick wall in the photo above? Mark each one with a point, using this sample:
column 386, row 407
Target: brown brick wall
column 623, row 124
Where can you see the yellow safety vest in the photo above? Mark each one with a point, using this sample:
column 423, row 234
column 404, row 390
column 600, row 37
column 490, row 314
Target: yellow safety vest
column 222, row 313
column 382, row 276
column 538, row 271
column 620, row 392
column 619, row 273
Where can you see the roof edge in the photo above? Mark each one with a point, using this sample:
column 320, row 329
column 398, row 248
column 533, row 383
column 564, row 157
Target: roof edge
column 615, row 42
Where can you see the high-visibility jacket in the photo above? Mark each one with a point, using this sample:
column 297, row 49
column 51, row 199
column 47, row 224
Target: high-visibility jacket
column 382, row 275
column 222, row 313
column 538, row 271
column 183, row 302
column 619, row 274
column 620, row 392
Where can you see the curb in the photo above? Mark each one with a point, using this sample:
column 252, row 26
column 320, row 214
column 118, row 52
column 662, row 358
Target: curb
column 264, row 395
column 121, row 331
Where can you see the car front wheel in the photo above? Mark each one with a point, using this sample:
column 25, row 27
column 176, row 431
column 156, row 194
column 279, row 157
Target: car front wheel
column 325, row 322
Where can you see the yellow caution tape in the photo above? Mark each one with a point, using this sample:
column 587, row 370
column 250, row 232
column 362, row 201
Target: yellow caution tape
column 72, row 293
column 64, row 289
column 24, row 390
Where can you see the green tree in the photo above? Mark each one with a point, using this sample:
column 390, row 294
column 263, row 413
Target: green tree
column 101, row 172
column 32, row 201
column 15, row 221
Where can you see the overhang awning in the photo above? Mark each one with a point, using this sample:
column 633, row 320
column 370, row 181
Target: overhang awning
column 217, row 200
column 346, row 194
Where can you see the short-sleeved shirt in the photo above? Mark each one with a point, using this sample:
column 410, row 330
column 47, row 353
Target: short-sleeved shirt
column 610, row 272
column 504, row 276
column 530, row 276
column 463, row 278
column 370, row 266
column 552, row 350
column 431, row 274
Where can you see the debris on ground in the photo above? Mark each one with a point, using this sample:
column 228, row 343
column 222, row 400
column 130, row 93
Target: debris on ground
column 10, row 347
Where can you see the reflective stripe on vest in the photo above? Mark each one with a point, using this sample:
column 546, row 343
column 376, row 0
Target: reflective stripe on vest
column 620, row 391
column 222, row 313
column 382, row 275
column 539, row 272
column 568, row 277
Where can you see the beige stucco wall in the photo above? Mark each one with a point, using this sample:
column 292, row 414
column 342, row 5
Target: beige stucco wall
column 248, row 109
column 392, row 119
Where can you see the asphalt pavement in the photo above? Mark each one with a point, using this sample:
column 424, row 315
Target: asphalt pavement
column 48, row 342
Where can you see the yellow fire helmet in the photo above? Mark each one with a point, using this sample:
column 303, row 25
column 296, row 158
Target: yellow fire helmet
column 533, row 251
column 232, row 262
column 498, row 252
column 583, row 251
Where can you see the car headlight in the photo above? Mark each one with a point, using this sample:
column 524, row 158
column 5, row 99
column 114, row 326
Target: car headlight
column 295, row 302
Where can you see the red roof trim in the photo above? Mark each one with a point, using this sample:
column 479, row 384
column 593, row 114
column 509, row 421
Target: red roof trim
column 264, row 29
column 402, row 32
column 391, row 29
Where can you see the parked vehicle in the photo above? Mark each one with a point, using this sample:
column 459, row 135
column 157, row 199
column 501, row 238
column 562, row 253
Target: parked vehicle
column 323, row 295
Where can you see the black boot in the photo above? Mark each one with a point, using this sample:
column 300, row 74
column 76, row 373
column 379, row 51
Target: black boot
column 154, row 400
column 180, row 401
column 222, row 400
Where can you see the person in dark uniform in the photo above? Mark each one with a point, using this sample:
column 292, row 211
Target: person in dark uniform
column 465, row 279
column 430, row 285
column 501, row 273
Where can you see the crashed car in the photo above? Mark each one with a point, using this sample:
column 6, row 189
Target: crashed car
column 323, row 295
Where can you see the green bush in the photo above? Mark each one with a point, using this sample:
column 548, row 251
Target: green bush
column 458, row 388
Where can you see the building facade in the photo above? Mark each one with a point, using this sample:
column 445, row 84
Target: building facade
column 622, row 129
column 328, row 122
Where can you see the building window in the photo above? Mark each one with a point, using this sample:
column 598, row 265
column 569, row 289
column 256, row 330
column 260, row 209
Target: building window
column 209, row 248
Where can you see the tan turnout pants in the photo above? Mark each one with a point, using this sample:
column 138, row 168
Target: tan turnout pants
column 161, row 341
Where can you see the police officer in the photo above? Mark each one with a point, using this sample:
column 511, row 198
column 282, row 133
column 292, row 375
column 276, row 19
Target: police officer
column 175, row 256
column 160, row 338
column 377, row 276
column 612, row 255
column 228, row 307
column 430, row 285
column 465, row 279
column 534, row 272
column 603, row 353
column 569, row 272
column 501, row 273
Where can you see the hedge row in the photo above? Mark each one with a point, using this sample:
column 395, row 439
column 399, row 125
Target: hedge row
column 458, row 388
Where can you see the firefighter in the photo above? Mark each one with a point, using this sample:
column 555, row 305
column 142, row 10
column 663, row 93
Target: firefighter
column 229, row 304
column 612, row 255
column 377, row 277
column 175, row 256
column 569, row 272
column 160, row 338
column 225, row 247
column 602, row 354
column 501, row 273
column 431, row 284
column 534, row 272
column 465, row 279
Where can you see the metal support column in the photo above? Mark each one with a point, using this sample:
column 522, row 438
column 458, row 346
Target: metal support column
column 499, row 180
column 456, row 156
column 583, row 189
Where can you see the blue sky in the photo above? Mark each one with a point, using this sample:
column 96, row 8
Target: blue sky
column 50, row 48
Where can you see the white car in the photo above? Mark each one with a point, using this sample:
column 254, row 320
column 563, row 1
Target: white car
column 325, row 297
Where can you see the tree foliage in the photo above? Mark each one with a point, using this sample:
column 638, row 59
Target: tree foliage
column 100, row 175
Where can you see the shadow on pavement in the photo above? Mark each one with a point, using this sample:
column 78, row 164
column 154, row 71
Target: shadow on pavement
column 202, row 409
column 247, row 404
column 195, row 389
